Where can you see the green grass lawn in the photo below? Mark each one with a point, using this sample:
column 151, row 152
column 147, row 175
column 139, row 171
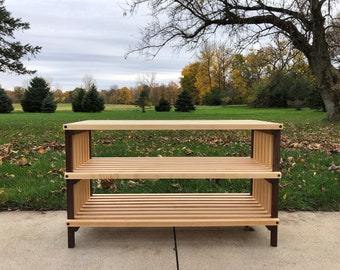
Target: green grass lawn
column 33, row 158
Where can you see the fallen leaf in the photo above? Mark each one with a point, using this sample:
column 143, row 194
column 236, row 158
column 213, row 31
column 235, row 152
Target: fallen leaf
column 132, row 183
column 189, row 152
column 295, row 145
column 333, row 167
column 23, row 162
column 178, row 186
column 109, row 184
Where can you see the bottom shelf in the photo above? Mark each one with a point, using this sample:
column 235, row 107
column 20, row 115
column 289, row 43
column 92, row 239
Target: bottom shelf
column 170, row 210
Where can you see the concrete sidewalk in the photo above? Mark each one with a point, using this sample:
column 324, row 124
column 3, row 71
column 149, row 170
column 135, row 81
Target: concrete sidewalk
column 33, row 240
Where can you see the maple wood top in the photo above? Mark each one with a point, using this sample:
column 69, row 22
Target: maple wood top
column 173, row 125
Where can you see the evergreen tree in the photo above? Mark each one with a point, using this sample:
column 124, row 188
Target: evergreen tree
column 184, row 102
column 5, row 102
column 13, row 51
column 78, row 100
column 92, row 102
column 35, row 95
column 163, row 105
column 143, row 99
column 49, row 105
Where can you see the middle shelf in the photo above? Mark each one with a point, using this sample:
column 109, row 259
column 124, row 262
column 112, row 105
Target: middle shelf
column 171, row 167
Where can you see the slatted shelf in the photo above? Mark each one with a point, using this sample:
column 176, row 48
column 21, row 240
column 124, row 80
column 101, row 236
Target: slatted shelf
column 158, row 210
column 259, row 207
column 171, row 167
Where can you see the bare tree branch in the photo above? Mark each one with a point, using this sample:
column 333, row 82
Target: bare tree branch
column 305, row 23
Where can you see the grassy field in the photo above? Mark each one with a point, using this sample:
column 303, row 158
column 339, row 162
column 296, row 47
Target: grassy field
column 33, row 159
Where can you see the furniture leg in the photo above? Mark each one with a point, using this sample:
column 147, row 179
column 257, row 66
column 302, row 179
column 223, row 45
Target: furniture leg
column 273, row 235
column 71, row 236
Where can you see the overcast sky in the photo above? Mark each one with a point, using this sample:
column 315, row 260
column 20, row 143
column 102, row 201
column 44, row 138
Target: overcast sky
column 87, row 37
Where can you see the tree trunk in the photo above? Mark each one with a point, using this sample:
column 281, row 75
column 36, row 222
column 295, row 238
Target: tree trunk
column 327, row 77
column 328, row 81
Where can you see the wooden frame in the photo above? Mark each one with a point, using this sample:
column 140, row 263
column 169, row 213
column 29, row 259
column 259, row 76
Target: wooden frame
column 259, row 207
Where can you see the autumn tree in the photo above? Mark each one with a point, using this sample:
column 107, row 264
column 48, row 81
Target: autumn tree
column 241, row 78
column 18, row 94
column 172, row 90
column 188, row 80
column 124, row 96
column 12, row 52
column 204, row 77
column 112, row 95
column 213, row 77
column 222, row 66
column 59, row 96
column 304, row 23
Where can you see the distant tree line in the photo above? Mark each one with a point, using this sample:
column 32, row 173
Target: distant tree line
column 273, row 76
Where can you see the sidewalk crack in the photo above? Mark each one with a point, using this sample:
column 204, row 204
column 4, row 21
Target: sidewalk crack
column 175, row 248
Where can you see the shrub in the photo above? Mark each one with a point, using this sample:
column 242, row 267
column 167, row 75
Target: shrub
column 284, row 89
column 213, row 98
column 163, row 105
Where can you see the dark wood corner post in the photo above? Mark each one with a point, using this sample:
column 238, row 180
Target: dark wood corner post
column 70, row 187
column 69, row 168
column 274, row 211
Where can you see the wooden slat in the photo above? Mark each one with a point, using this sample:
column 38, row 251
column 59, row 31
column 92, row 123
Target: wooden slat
column 82, row 194
column 222, row 222
column 80, row 148
column 262, row 191
column 153, row 210
column 173, row 125
column 263, row 148
column 171, row 167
